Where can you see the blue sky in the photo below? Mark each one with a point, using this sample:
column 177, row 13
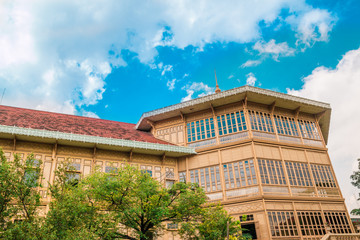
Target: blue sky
column 118, row 59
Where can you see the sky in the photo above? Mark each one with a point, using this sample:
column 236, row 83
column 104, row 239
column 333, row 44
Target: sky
column 117, row 59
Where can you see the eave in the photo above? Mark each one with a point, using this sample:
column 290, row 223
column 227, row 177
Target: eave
column 45, row 136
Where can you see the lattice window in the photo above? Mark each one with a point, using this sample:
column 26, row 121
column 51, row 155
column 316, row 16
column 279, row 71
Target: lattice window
column 208, row 178
column 286, row 126
column 309, row 129
column 311, row 223
column 239, row 174
column 323, row 176
column 282, row 224
column 299, row 174
column 231, row 123
column 271, row 172
column 200, row 129
column 261, row 121
column 338, row 222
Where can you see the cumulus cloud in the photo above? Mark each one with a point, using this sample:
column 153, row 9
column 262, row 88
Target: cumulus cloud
column 340, row 87
column 56, row 55
column 273, row 49
column 199, row 89
column 250, row 79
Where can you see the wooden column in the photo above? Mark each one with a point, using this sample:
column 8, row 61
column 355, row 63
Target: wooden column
column 215, row 124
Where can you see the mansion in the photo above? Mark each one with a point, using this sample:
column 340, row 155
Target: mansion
column 261, row 153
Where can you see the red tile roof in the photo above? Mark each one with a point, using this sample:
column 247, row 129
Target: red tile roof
column 27, row 118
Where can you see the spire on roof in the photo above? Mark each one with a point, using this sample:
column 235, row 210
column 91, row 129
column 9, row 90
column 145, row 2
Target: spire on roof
column 217, row 90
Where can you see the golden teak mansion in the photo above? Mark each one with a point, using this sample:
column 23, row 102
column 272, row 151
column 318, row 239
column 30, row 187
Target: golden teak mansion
column 261, row 153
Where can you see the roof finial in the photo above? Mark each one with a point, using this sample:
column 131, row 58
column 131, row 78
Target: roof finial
column 217, row 90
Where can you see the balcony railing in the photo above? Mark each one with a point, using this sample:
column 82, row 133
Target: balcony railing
column 205, row 143
column 344, row 236
column 234, row 137
column 256, row 135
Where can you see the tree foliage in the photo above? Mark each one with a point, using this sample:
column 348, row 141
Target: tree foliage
column 19, row 199
column 124, row 204
column 355, row 180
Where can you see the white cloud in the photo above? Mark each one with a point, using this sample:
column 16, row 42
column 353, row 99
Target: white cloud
column 251, row 79
column 340, row 87
column 57, row 54
column 171, row 84
column 200, row 88
column 251, row 63
column 312, row 26
column 273, row 49
column 166, row 68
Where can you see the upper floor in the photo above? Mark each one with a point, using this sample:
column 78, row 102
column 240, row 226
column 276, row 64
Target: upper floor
column 240, row 114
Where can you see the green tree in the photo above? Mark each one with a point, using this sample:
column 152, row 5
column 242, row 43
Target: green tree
column 73, row 214
column 19, row 198
column 355, row 180
column 212, row 224
column 139, row 204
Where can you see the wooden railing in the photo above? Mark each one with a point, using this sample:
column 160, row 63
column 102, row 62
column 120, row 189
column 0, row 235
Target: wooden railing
column 338, row 236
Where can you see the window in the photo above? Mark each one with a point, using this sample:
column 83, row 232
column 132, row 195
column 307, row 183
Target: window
column 73, row 173
column 338, row 222
column 200, row 129
column 308, row 129
column 246, row 218
column 169, row 172
column 172, row 226
column 157, row 173
column 282, row 224
column 239, row 174
column 31, row 177
column 146, row 169
column 208, row 178
column 286, row 126
column 111, row 169
column 299, row 174
column 271, row 172
column 169, row 183
column 311, row 223
column 323, row 176
column 231, row 123
column 182, row 176
column 261, row 121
